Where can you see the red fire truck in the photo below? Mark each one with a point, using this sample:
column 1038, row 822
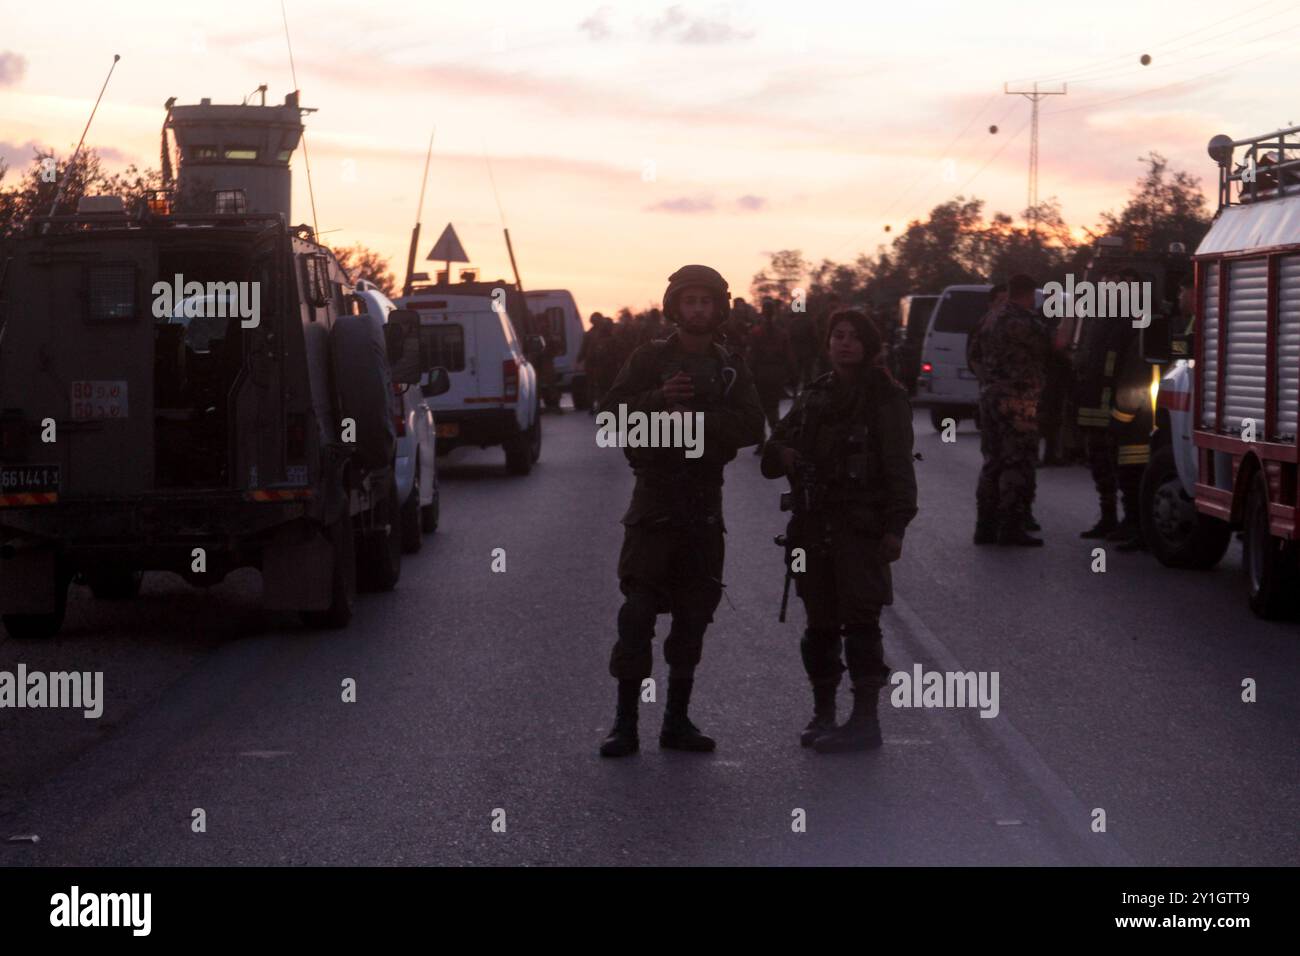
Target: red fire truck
column 1247, row 361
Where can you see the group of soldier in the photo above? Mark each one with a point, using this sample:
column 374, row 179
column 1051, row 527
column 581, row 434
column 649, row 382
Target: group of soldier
column 846, row 448
column 1028, row 384
column 782, row 347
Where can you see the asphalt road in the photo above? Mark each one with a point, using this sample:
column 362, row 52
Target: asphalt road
column 481, row 697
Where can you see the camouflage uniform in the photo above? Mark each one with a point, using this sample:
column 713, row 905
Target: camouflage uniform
column 772, row 363
column 1014, row 347
column 673, row 549
column 858, row 438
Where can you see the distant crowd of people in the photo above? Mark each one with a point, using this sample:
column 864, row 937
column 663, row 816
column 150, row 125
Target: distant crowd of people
column 783, row 348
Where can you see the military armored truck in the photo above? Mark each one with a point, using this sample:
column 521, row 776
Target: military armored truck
column 195, row 392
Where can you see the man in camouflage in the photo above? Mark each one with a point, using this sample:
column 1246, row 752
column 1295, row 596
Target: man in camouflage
column 1013, row 357
column 673, row 549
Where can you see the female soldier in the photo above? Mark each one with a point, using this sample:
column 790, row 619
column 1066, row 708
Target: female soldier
column 846, row 447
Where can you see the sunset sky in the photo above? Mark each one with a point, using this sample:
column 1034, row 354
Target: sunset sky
column 629, row 139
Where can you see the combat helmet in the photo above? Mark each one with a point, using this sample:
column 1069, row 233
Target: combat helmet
column 701, row 277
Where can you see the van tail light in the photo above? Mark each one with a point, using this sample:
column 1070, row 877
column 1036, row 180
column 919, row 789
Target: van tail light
column 399, row 412
column 510, row 380
column 927, row 368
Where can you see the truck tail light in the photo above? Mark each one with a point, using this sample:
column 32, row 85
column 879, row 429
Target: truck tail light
column 927, row 368
column 510, row 380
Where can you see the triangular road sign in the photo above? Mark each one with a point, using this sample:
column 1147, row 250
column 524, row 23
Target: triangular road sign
column 448, row 248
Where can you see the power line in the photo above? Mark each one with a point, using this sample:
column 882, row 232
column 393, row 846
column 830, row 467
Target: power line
column 1102, row 66
column 1262, row 37
column 1191, row 79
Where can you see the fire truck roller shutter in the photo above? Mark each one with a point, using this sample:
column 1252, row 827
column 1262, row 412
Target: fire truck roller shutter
column 1244, row 383
column 1208, row 373
column 364, row 386
column 1288, row 347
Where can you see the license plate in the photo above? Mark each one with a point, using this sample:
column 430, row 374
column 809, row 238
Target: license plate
column 448, row 429
column 28, row 479
column 96, row 400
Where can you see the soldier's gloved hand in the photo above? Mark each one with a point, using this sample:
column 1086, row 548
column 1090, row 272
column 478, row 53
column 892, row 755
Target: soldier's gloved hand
column 679, row 389
column 891, row 548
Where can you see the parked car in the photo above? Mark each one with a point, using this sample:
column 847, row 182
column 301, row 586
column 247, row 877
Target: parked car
column 493, row 398
column 946, row 385
column 414, row 460
column 564, row 331
column 909, row 337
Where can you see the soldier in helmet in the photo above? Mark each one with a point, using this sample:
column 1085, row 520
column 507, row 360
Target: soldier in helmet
column 672, row 555
column 847, row 448
column 1014, row 347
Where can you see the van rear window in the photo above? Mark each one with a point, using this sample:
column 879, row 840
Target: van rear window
column 960, row 311
column 446, row 345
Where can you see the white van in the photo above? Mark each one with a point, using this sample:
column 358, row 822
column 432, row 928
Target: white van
column 946, row 385
column 493, row 397
column 564, row 331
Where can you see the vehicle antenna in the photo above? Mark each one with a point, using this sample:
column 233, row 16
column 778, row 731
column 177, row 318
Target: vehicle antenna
column 502, row 213
column 419, row 214
column 311, row 194
column 67, row 170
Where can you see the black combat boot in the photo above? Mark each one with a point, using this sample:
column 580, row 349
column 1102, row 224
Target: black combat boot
column 1108, row 523
column 622, row 740
column 1128, row 531
column 823, row 719
column 678, row 732
column 986, row 531
column 1031, row 523
column 1012, row 532
column 860, row 732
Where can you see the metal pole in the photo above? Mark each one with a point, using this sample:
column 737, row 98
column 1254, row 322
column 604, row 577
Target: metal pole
column 67, row 170
column 1033, row 96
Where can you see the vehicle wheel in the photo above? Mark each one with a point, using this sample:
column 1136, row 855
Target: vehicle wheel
column 412, row 532
column 1177, row 534
column 429, row 513
column 551, row 396
column 1269, row 562
column 581, row 395
column 343, row 579
column 115, row 584
column 535, row 440
column 524, row 449
column 40, row 627
column 381, row 551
